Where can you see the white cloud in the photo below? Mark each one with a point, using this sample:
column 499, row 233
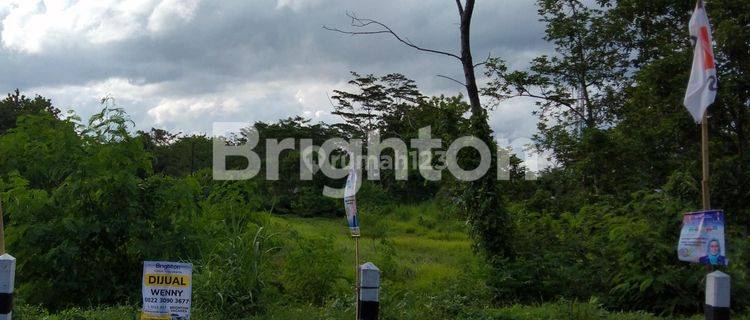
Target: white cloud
column 120, row 88
column 246, row 102
column 38, row 25
column 513, row 119
column 296, row 5
column 171, row 14
column 171, row 111
column 165, row 105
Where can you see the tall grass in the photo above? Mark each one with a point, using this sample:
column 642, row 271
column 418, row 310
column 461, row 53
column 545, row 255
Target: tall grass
column 269, row 267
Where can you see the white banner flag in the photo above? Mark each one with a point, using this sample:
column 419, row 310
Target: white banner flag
column 350, row 200
column 701, row 90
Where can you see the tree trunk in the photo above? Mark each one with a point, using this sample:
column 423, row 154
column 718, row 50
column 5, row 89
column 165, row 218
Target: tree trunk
column 472, row 90
column 490, row 222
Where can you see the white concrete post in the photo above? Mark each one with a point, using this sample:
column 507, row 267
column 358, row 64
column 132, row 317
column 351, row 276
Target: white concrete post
column 717, row 296
column 369, row 292
column 7, row 277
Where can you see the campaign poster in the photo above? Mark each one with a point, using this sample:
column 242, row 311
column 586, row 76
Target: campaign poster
column 167, row 289
column 350, row 202
column 702, row 238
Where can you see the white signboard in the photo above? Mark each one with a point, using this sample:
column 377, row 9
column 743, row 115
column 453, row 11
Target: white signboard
column 167, row 289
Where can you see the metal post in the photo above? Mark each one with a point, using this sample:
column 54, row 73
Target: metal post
column 718, row 289
column 369, row 297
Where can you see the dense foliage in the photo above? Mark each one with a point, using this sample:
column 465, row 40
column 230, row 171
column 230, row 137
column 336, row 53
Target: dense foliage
column 86, row 203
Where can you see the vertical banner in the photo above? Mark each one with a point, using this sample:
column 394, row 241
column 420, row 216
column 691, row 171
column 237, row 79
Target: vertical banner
column 702, row 238
column 350, row 201
column 167, row 289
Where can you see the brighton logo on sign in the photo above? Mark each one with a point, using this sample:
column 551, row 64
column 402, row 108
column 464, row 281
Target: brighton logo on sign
column 167, row 290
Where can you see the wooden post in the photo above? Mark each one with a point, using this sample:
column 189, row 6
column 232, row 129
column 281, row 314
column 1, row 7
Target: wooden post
column 2, row 230
column 704, row 152
column 7, row 280
column 705, row 189
column 717, row 282
column 356, row 272
column 7, row 274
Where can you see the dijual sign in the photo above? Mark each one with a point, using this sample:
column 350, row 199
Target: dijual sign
column 702, row 238
column 167, row 289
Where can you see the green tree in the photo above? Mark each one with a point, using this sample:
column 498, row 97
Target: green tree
column 578, row 89
column 379, row 103
column 16, row 105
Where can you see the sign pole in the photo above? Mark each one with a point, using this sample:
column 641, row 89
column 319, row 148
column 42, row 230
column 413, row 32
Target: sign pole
column 704, row 152
column 705, row 191
column 7, row 275
column 2, row 230
column 717, row 283
column 356, row 272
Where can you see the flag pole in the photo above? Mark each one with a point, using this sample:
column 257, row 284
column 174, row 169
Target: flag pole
column 2, row 230
column 705, row 192
column 704, row 152
column 356, row 277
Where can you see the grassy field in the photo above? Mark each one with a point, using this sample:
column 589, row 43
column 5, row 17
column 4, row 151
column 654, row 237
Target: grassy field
column 429, row 272
column 412, row 241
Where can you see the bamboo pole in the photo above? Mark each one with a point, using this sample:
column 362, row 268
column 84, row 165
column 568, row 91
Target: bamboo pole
column 2, row 231
column 704, row 152
column 356, row 275
column 705, row 192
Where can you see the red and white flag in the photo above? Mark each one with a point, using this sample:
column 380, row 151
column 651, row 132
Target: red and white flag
column 701, row 90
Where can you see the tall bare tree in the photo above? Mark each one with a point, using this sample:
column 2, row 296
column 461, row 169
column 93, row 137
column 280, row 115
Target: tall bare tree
column 363, row 26
column 481, row 200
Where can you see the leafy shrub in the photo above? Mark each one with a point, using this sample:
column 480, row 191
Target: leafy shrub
column 310, row 202
column 622, row 254
column 82, row 241
column 76, row 245
column 371, row 195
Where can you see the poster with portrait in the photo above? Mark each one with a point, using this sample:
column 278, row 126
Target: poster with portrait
column 702, row 238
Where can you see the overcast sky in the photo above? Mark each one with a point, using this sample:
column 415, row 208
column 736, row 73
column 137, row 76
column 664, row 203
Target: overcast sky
column 183, row 64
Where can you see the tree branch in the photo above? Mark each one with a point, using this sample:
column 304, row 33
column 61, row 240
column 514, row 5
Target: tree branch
column 384, row 29
column 469, row 9
column 452, row 79
column 460, row 7
column 550, row 99
column 489, row 54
